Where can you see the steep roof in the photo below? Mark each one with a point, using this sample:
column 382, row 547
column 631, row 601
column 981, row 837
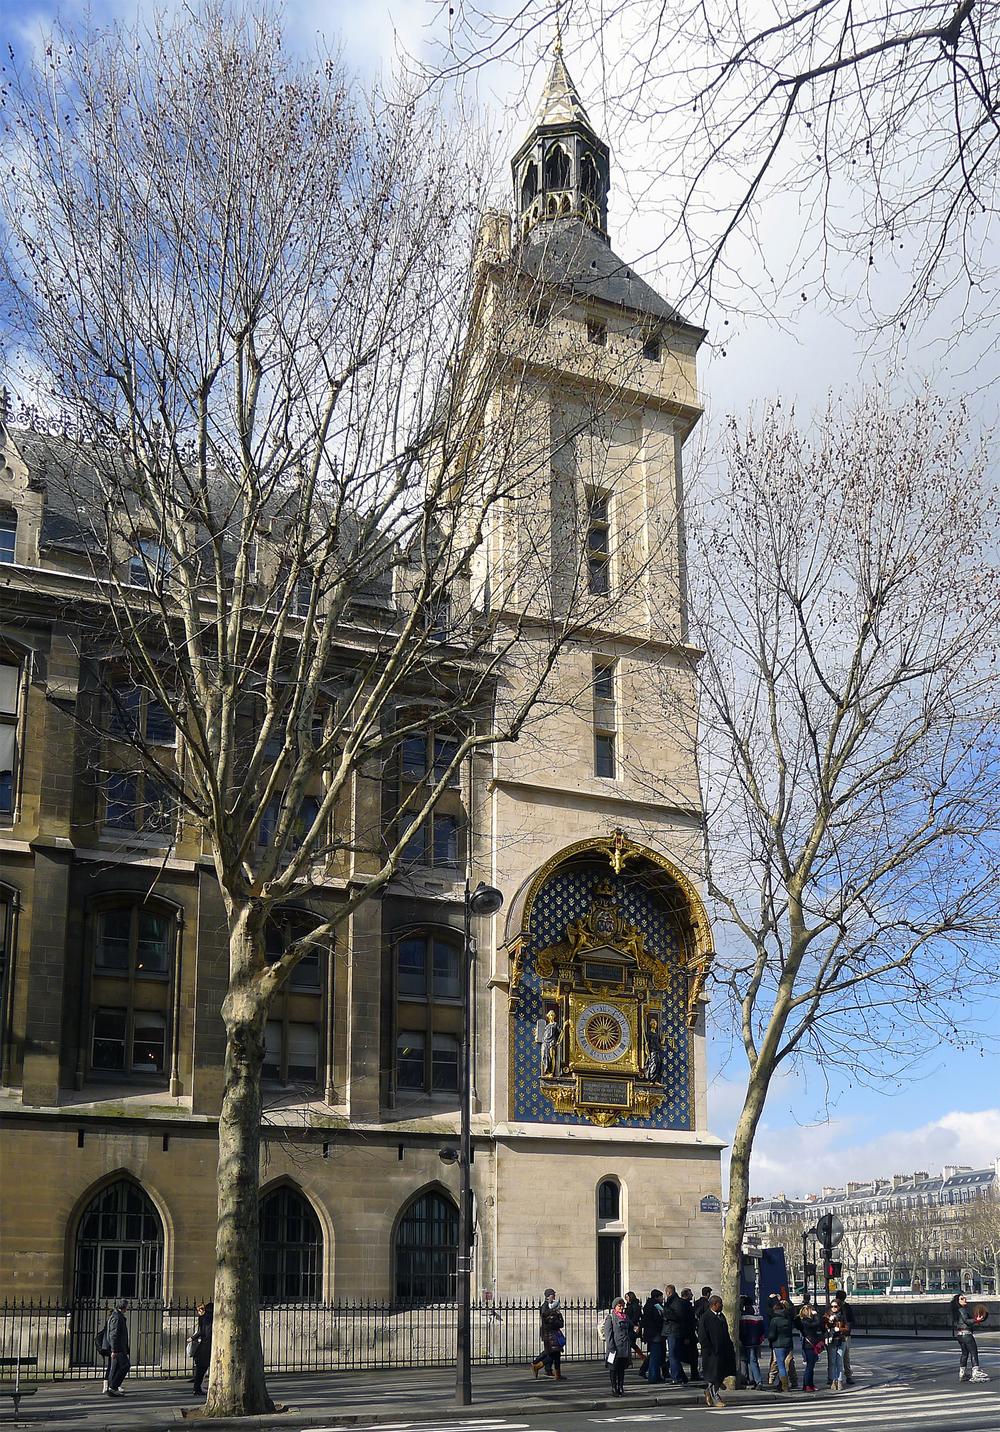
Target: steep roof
column 560, row 101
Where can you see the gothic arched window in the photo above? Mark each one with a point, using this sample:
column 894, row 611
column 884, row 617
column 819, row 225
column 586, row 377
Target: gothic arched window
column 426, row 1250
column 529, row 185
column 291, row 1247
column 119, row 1245
column 557, row 168
column 590, row 180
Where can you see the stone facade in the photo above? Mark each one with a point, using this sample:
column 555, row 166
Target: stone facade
column 563, row 1191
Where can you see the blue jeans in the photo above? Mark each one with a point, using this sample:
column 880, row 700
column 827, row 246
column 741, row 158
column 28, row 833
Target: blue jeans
column 655, row 1370
column 753, row 1366
column 675, row 1346
column 836, row 1361
column 780, row 1354
column 809, row 1375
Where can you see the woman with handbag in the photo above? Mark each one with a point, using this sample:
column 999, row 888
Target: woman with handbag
column 617, row 1335
column 811, row 1326
column 200, row 1345
column 550, row 1330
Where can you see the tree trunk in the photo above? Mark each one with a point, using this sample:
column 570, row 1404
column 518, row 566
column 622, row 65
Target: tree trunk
column 236, row 1383
column 739, row 1197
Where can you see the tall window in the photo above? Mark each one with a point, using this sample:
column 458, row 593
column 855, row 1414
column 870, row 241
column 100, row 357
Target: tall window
column 130, row 990
column 426, row 1252
column 8, row 536
column 119, row 1246
column 424, row 759
column 149, row 563
column 136, row 714
column 605, row 718
column 140, row 802
column 293, row 1034
column 7, row 898
column 291, row 1248
column 11, row 699
column 610, row 1241
column 428, row 1015
column 598, row 543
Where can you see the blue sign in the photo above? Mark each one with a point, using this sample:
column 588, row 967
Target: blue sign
column 710, row 1204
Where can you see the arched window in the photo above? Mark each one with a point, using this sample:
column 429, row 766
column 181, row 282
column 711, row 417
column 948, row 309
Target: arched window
column 610, row 1241
column 609, row 1198
column 133, row 956
column 557, row 168
column 590, row 181
column 119, row 1246
column 529, row 185
column 426, row 1251
column 291, row 1247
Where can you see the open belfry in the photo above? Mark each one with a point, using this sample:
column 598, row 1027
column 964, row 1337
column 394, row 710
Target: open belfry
column 592, row 1154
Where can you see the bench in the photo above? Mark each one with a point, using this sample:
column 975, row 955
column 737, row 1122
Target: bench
column 17, row 1389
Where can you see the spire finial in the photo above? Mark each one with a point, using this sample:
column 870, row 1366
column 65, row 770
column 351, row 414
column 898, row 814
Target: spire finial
column 557, row 48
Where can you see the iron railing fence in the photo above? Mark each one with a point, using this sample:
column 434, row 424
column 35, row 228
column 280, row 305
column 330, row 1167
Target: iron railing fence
column 351, row 1335
column 356, row 1335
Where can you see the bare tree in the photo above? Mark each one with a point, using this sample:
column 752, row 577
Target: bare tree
column 285, row 462
column 843, row 592
column 976, row 1236
column 880, row 120
column 899, row 1242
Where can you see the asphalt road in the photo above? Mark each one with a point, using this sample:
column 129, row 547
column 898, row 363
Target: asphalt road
column 900, row 1385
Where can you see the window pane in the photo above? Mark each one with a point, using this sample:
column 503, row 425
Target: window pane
column 445, row 748
column 444, row 1062
column 269, row 821
column 414, row 758
column 125, row 710
column 148, row 1041
column 152, row 951
column 8, row 757
column 113, row 933
column 159, row 814
column 604, row 755
column 109, row 1039
column 306, row 974
column 410, row 1059
column 447, row 978
column 597, row 540
column 597, row 506
column 597, row 577
column 608, row 1200
column 446, row 841
column 413, row 966
column 272, row 1050
column 160, row 728
column 121, row 807
column 308, row 811
column 8, row 535
column 604, row 681
column 303, row 1052
column 415, row 847
column 9, row 682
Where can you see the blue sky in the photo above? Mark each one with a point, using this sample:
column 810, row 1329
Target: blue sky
column 948, row 1109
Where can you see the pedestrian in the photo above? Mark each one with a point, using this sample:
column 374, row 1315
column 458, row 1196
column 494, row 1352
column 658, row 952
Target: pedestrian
column 701, row 1303
column 652, row 1335
column 718, row 1356
column 964, row 1322
column 116, row 1349
column 673, row 1332
column 836, row 1333
column 751, row 1337
column 202, row 1340
column 811, row 1326
column 617, row 1336
column 633, row 1311
column 550, row 1331
column 847, row 1313
column 780, row 1334
column 689, row 1335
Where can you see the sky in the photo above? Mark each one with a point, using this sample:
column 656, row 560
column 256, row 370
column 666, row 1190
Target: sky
column 813, row 1132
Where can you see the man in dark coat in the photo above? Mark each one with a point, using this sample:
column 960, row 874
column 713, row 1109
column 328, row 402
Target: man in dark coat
column 718, row 1356
column 673, row 1332
column 116, row 1339
column 689, row 1334
column 652, row 1334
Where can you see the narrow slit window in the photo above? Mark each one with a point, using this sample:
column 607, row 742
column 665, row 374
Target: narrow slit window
column 598, row 543
column 605, row 718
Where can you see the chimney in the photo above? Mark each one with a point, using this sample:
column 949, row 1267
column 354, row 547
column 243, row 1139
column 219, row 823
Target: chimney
column 920, row 1177
column 898, row 1179
column 853, row 1187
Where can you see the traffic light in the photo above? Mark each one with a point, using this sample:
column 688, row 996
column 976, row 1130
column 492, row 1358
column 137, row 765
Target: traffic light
column 833, row 1275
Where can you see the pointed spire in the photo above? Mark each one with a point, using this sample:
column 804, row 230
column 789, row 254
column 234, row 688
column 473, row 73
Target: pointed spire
column 560, row 102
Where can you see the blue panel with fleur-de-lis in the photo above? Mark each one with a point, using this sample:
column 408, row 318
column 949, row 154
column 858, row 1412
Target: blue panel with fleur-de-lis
column 567, row 895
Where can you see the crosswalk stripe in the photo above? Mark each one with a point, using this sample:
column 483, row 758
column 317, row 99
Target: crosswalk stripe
column 854, row 1404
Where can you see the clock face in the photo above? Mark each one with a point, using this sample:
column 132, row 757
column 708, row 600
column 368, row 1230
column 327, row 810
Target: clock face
column 603, row 1033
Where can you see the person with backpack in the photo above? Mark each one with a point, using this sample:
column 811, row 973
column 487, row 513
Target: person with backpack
column 113, row 1345
column 810, row 1324
column 963, row 1329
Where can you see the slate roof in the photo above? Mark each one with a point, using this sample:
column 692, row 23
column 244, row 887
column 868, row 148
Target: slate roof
column 568, row 252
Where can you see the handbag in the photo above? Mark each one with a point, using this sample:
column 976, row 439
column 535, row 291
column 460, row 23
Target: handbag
column 192, row 1345
column 559, row 1339
column 610, row 1358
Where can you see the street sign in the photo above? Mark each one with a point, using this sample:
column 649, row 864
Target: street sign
column 710, row 1204
column 829, row 1230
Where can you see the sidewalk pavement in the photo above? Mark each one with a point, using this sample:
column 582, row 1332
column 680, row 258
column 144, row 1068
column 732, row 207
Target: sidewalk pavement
column 360, row 1399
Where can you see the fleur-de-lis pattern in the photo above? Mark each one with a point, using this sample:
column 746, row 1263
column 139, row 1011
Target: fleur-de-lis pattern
column 566, row 896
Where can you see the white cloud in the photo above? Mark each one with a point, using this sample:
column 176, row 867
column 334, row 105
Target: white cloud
column 801, row 1159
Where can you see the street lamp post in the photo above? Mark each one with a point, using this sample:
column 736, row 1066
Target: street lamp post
column 484, row 900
